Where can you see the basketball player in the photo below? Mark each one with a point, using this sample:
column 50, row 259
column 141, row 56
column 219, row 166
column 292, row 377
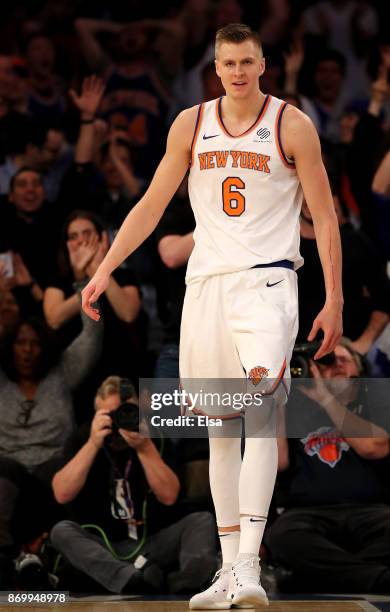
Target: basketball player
column 251, row 158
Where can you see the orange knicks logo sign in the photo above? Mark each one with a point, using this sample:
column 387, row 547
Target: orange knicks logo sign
column 257, row 373
column 327, row 444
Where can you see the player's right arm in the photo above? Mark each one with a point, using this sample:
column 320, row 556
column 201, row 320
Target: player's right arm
column 144, row 217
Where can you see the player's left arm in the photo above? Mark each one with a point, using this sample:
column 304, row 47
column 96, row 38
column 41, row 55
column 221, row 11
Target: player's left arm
column 301, row 142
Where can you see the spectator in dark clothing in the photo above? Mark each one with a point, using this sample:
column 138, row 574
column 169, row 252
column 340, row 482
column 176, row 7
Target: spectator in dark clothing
column 84, row 244
column 30, row 227
column 46, row 100
column 335, row 532
column 108, row 187
column 19, row 286
column 350, row 27
column 26, row 142
column 125, row 484
column 36, row 416
column 175, row 244
column 135, row 89
column 366, row 287
column 328, row 105
column 9, row 310
column 24, row 148
column 361, row 129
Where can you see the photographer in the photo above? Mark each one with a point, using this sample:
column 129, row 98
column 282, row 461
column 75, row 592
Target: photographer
column 123, row 485
column 335, row 533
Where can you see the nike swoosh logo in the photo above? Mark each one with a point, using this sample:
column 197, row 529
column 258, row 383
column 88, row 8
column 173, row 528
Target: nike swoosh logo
column 272, row 284
column 207, row 137
column 256, row 520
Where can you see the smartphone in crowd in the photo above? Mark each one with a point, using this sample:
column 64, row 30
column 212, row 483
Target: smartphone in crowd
column 6, row 259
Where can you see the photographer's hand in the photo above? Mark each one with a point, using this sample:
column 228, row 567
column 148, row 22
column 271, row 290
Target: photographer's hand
column 318, row 392
column 100, row 428
column 68, row 482
column 136, row 440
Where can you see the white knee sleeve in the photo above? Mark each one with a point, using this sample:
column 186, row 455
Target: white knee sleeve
column 258, row 475
column 225, row 465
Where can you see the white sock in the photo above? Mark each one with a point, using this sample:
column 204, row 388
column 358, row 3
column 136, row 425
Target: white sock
column 252, row 530
column 230, row 541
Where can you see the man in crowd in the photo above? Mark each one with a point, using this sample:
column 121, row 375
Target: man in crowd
column 30, row 227
column 334, row 534
column 123, row 484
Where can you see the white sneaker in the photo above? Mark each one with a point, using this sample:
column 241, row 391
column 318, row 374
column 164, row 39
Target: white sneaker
column 248, row 591
column 218, row 596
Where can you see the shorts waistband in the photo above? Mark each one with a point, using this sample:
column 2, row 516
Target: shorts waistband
column 283, row 263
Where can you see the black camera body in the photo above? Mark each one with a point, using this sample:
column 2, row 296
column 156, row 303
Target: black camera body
column 126, row 416
column 302, row 354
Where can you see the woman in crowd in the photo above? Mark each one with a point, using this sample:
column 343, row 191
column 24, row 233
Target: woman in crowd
column 36, row 417
column 83, row 246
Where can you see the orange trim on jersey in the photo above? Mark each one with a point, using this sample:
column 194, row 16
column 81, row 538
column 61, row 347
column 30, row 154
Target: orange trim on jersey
column 278, row 141
column 218, row 112
column 278, row 379
column 196, row 132
column 223, row 417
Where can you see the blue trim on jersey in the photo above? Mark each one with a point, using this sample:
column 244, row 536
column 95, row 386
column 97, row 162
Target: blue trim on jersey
column 196, row 127
column 283, row 263
column 288, row 161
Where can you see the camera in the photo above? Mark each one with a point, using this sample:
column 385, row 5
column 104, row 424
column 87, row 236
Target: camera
column 126, row 416
column 302, row 355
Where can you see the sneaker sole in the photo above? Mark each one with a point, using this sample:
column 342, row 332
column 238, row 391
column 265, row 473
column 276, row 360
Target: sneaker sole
column 250, row 601
column 214, row 606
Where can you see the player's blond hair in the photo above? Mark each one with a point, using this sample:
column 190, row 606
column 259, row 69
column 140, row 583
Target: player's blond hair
column 236, row 33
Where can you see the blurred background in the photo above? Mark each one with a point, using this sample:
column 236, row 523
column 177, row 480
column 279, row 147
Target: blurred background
column 88, row 91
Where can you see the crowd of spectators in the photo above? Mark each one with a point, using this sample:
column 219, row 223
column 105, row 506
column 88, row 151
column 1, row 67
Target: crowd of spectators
column 87, row 94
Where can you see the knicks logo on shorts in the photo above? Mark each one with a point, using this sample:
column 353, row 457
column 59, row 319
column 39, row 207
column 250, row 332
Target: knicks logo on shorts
column 327, row 444
column 257, row 374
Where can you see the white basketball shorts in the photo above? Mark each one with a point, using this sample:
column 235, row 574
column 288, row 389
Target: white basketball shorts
column 240, row 325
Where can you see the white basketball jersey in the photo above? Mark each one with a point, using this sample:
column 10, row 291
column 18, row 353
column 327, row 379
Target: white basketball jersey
column 245, row 194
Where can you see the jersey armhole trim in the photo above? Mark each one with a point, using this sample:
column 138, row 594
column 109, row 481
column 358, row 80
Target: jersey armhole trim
column 288, row 162
column 196, row 132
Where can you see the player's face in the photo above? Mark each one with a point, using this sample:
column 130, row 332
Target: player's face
column 239, row 66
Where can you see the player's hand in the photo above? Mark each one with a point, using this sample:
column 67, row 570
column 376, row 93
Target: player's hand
column 330, row 320
column 91, row 293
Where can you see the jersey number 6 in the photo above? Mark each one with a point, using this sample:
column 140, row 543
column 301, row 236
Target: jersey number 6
column 233, row 200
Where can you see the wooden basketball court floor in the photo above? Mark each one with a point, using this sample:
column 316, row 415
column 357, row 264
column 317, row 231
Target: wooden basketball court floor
column 101, row 604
